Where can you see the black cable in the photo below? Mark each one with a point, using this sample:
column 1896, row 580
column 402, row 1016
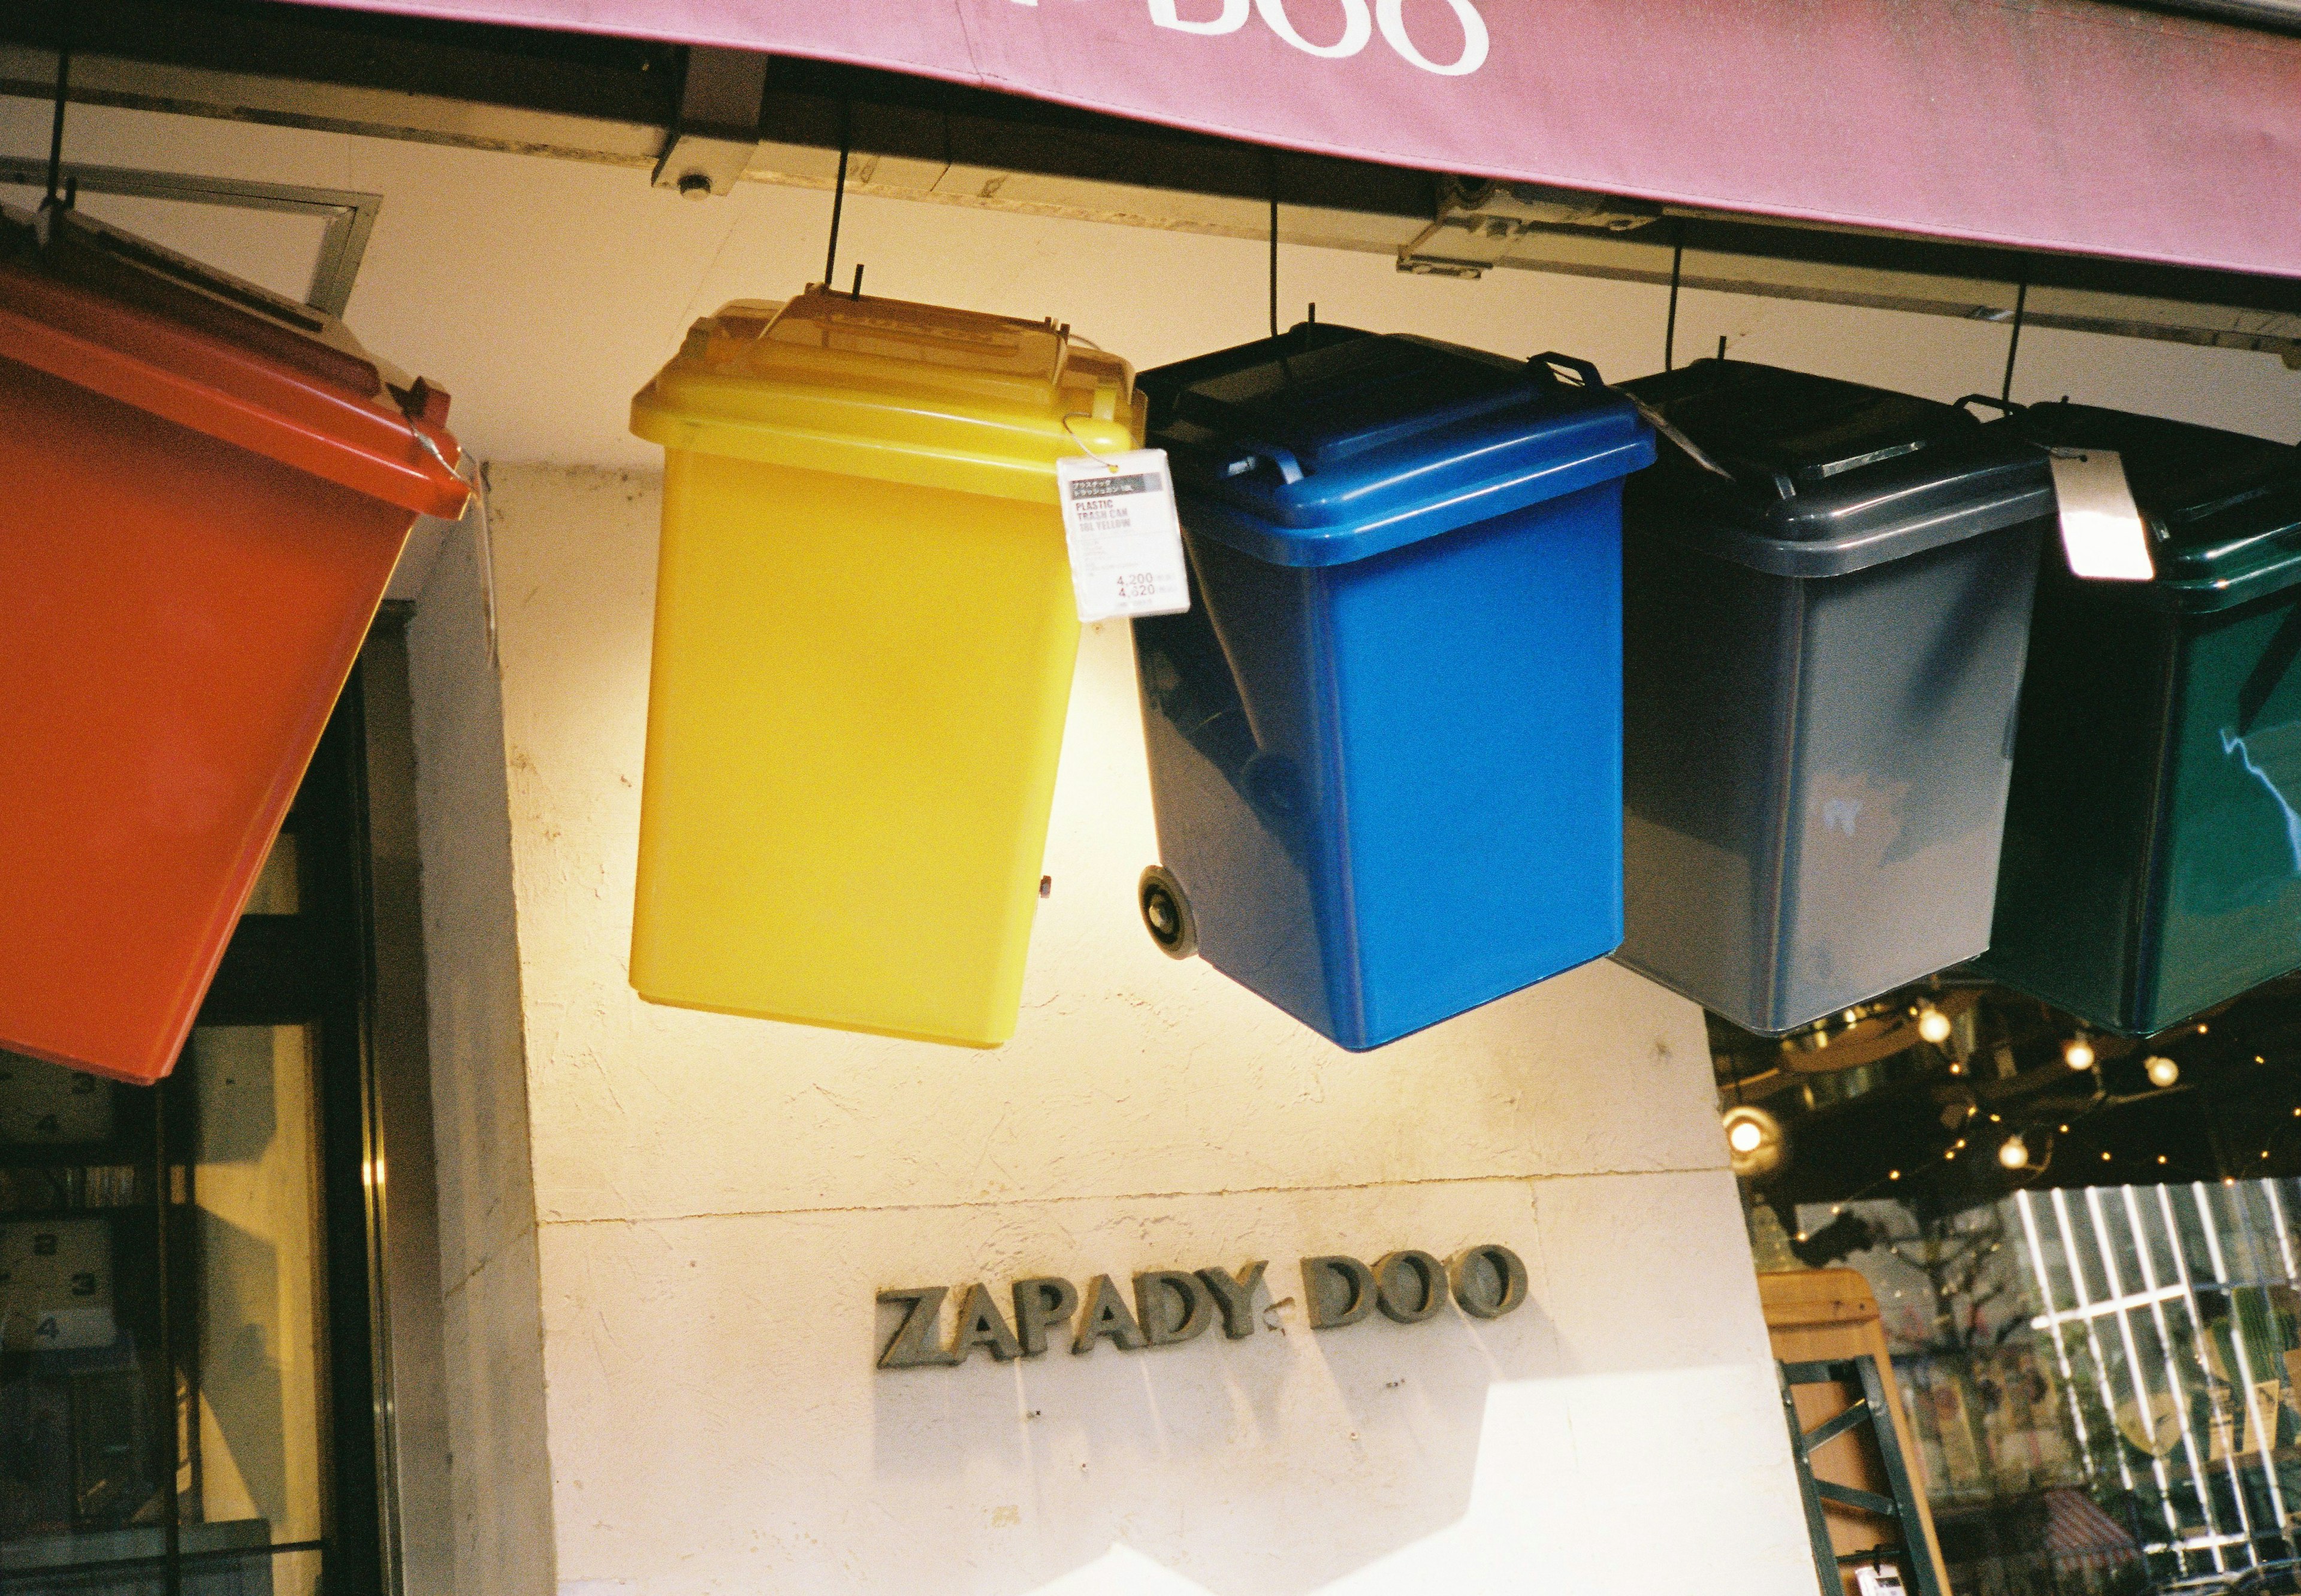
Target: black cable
column 57, row 129
column 1274, row 266
column 838, row 194
column 1670, row 328
column 2013, row 345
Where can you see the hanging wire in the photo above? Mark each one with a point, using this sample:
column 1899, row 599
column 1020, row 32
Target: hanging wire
column 1274, row 263
column 839, row 196
column 1669, row 327
column 57, row 129
column 2013, row 344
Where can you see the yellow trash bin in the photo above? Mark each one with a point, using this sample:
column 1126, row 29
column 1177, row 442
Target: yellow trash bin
column 864, row 633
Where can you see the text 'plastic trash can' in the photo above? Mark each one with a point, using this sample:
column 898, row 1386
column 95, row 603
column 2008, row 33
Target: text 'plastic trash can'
column 1384, row 743
column 1824, row 634
column 864, row 634
column 2153, row 846
column 207, row 487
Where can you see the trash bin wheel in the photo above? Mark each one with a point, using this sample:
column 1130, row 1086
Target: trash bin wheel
column 1167, row 912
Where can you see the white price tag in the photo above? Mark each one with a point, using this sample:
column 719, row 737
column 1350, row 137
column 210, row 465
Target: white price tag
column 2102, row 531
column 1878, row 1579
column 1126, row 544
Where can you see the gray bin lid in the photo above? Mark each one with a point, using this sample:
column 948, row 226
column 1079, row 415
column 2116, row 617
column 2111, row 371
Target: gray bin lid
column 1808, row 476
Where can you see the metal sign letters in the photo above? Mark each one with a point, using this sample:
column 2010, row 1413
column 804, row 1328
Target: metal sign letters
column 1170, row 1307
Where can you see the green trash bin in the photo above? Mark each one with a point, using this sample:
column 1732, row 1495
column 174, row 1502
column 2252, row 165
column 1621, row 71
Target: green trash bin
column 2151, row 860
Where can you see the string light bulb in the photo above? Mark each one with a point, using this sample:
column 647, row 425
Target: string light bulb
column 1755, row 1142
column 2077, row 1053
column 1933, row 1024
column 2161, row 1070
column 2014, row 1152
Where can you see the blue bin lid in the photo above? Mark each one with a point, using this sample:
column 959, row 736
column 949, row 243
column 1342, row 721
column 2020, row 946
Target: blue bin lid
column 1328, row 443
column 1809, row 476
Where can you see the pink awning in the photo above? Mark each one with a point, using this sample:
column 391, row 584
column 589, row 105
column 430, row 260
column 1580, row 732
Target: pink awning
column 2047, row 124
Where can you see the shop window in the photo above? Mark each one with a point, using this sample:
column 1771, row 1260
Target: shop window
column 2087, row 1264
column 187, row 1372
column 2104, row 1427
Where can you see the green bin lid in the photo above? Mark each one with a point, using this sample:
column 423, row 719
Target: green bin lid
column 2224, row 509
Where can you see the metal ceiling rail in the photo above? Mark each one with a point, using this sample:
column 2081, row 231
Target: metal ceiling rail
column 648, row 106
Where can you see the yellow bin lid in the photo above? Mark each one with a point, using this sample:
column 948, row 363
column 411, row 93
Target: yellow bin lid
column 883, row 388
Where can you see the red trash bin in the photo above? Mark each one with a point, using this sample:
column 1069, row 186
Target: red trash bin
column 205, row 490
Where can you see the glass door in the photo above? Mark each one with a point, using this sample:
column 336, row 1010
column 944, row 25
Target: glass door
column 186, row 1375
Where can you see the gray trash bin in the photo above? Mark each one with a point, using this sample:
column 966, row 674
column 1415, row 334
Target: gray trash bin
column 1824, row 623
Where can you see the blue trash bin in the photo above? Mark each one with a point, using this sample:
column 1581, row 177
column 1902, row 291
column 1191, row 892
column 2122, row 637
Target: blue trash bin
column 1385, row 740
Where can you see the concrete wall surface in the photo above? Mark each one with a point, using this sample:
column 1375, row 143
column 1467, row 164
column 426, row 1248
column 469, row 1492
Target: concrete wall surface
column 490, row 1283
column 721, row 1199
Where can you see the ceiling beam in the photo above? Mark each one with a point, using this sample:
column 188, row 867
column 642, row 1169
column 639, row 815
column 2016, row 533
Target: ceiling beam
column 620, row 102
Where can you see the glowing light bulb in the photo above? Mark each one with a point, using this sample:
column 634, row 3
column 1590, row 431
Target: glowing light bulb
column 2077, row 1053
column 1755, row 1143
column 2013, row 1153
column 1933, row 1024
column 2161, row 1070
column 1893, row 1175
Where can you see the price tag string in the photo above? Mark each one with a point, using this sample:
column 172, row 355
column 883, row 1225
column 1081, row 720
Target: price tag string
column 1080, row 416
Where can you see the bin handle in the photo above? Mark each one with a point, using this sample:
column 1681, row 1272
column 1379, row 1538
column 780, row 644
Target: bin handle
column 2003, row 406
column 1587, row 375
column 1583, row 370
column 1281, row 460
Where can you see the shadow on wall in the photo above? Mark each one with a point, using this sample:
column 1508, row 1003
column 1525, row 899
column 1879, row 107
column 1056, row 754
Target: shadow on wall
column 1183, row 1453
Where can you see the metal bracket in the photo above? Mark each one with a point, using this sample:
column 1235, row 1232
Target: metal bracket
column 1478, row 221
column 722, row 98
column 350, row 216
column 1868, row 1409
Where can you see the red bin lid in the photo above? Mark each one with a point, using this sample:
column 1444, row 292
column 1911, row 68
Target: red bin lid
column 121, row 317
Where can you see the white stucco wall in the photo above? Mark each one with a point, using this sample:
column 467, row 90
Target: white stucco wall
column 720, row 1199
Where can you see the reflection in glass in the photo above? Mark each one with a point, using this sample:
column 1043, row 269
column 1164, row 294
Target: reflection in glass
column 161, row 1383
column 2104, row 1381
column 278, row 889
column 253, row 1180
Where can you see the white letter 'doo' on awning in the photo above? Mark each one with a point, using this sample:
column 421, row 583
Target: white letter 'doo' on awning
column 1357, row 28
column 1391, row 15
column 1233, row 18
